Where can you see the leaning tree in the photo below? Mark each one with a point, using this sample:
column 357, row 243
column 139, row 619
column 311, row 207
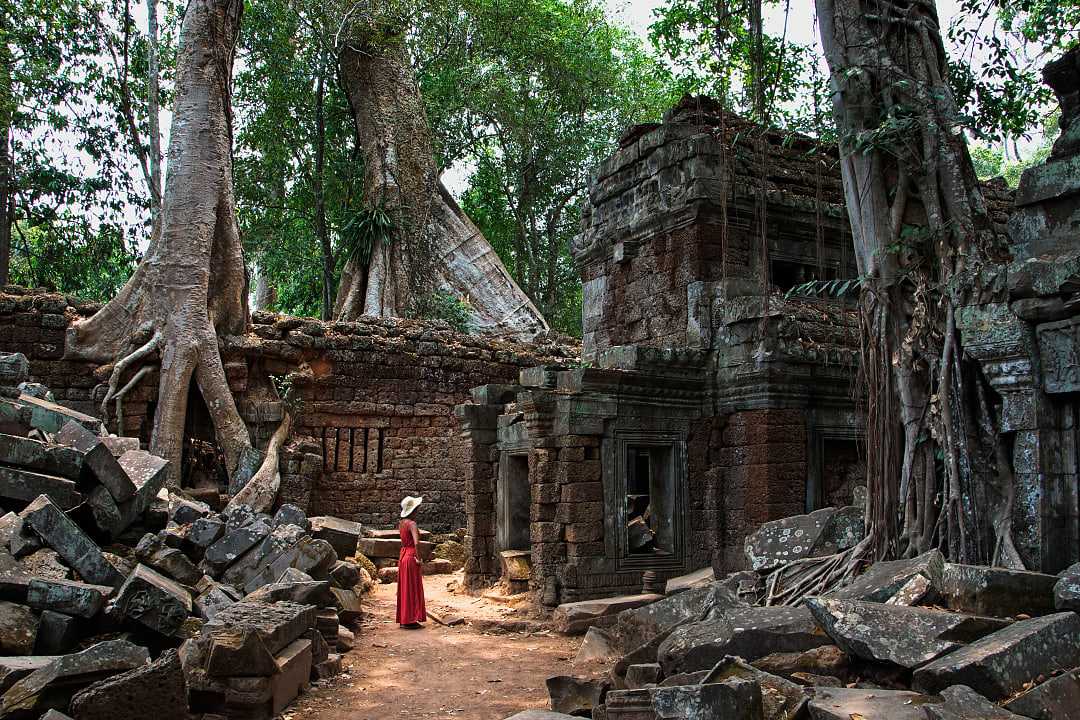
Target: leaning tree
column 191, row 285
column 938, row 473
column 410, row 237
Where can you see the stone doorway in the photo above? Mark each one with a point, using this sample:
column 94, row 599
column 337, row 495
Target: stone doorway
column 512, row 497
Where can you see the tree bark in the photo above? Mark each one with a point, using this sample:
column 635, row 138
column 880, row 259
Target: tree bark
column 432, row 244
column 321, row 230
column 922, row 234
column 7, row 190
column 153, row 111
column 191, row 284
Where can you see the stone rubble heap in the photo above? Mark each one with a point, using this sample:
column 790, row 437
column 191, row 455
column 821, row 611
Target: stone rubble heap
column 122, row 599
column 913, row 639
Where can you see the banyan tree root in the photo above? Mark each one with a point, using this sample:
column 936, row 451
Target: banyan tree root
column 191, row 285
column 793, row 582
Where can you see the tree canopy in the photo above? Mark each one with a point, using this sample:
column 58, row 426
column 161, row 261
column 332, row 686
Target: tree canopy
column 523, row 98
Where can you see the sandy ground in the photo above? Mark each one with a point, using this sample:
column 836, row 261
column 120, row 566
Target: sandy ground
column 440, row 672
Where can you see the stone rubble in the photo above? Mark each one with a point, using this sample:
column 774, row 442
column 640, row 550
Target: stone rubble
column 121, row 598
column 910, row 639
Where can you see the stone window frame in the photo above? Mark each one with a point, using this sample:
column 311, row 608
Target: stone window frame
column 816, row 437
column 614, row 478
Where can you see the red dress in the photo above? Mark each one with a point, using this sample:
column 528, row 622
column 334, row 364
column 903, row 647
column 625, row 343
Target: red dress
column 410, row 589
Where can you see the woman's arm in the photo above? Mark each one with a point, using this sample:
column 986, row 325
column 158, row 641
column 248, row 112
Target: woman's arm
column 416, row 539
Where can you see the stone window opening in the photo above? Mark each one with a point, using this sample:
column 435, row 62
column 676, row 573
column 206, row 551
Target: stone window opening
column 649, row 501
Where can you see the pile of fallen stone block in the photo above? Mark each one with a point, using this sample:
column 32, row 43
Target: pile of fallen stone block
column 122, row 598
column 912, row 639
column 441, row 554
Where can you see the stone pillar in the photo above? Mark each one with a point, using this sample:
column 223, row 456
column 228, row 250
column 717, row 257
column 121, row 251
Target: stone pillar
column 479, row 425
column 764, row 461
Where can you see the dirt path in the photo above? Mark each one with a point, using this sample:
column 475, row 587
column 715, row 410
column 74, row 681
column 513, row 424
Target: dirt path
column 439, row 672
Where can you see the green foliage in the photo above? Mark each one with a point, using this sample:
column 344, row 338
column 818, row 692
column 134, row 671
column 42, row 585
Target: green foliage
column 532, row 111
column 275, row 172
column 72, row 258
column 70, row 69
column 710, row 46
column 366, row 229
column 1003, row 46
column 445, row 305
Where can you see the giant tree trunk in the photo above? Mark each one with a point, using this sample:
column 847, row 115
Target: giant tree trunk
column 7, row 190
column 191, row 284
column 432, row 245
column 922, row 237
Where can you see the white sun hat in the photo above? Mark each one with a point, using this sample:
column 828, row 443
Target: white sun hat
column 409, row 504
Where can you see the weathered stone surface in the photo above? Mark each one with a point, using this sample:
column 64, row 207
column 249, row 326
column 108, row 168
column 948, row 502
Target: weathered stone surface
column 780, row 699
column 147, row 474
column 540, row 715
column 45, row 563
column 704, row 576
column 845, row 529
column 882, row 580
column 154, row 601
column 235, row 543
column 239, row 653
column 1056, row 699
column 1067, row 589
column 516, row 565
column 905, row 636
column 782, row 541
column 345, row 574
column 915, row 591
column 67, row 596
column 343, row 535
column 14, row 369
column 346, row 639
column 23, row 540
column 643, row 675
column 263, row 559
column 748, row 633
column 597, row 647
column 638, row 625
column 32, row 412
column 575, row 618
column 997, row 591
column 326, row 669
column 25, row 485
column 156, row 691
column 293, row 673
column 18, row 629
column 185, row 512
column 57, row 633
column 105, row 512
column 60, row 533
column 153, row 551
column 348, row 605
column 205, row 532
column 962, row 703
column 213, row 598
column 849, row 703
column 289, row 514
column 279, row 623
column 1000, row 664
column 13, row 669
column 827, row 660
column 120, row 445
column 735, row 698
column 575, row 695
column 309, row 592
column 41, row 457
column 67, row 673
column 98, row 458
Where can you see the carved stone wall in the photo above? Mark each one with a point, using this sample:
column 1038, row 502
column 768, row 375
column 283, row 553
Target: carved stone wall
column 376, row 421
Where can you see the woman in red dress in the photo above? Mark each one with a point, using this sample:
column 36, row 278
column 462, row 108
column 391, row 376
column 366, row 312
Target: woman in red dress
column 411, row 610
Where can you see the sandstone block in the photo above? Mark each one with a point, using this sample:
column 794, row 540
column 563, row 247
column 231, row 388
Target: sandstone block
column 60, row 533
column 156, row 691
column 575, row 618
column 67, row 596
column 18, row 629
column 98, row 458
column 154, row 601
column 25, row 485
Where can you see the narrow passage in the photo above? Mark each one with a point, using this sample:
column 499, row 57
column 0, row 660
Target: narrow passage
column 439, row 672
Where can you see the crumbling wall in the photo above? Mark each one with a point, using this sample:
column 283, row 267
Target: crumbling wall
column 376, row 418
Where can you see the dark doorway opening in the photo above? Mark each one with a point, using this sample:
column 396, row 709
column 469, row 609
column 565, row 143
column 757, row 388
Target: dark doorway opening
column 513, row 531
